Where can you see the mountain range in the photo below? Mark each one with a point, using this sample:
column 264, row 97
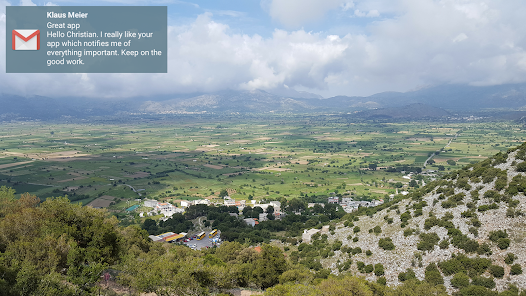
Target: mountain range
column 437, row 101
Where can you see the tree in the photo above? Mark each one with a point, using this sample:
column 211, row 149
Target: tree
column 270, row 267
column 433, row 275
column 460, row 280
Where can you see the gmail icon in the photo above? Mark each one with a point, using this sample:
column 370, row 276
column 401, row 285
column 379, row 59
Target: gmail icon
column 26, row 39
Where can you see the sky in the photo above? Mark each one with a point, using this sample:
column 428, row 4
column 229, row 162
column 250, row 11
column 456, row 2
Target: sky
column 327, row 47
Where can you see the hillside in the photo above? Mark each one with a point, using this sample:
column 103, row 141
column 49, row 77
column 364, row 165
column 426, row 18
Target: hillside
column 477, row 212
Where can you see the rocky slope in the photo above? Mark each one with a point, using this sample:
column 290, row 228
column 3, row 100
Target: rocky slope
column 478, row 211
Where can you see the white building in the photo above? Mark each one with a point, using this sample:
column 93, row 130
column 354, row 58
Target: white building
column 150, row 203
column 201, row 202
column 186, row 203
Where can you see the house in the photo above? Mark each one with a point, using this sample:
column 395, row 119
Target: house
column 186, row 203
column 333, row 199
column 263, row 217
column 150, row 203
column 276, row 205
column 164, row 206
column 229, row 202
column 346, row 200
column 201, row 202
column 307, row 235
column 251, row 221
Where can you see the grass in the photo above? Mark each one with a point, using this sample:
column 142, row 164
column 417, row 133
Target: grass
column 266, row 157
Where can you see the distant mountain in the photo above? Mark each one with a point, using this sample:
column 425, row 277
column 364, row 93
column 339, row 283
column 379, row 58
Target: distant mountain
column 387, row 104
column 412, row 111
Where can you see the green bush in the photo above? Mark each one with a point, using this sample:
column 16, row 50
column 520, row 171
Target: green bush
column 386, row 243
column 368, row 253
column 409, row 231
column 379, row 269
column 428, row 241
column 356, row 229
column 460, row 280
column 484, row 249
column 433, row 275
column 495, row 235
column 368, row 268
column 483, row 282
column 461, row 263
column 496, row 271
column 503, row 243
column 377, row 229
column 444, row 244
column 510, row 257
column 408, row 275
column 382, row 281
column 516, row 269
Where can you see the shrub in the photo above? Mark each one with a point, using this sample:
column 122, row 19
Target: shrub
column 461, row 263
column 495, row 235
column 368, row 268
column 405, row 217
column 377, row 229
column 355, row 239
column 496, row 271
column 379, row 269
column 460, row 280
column 503, row 243
column 408, row 275
column 433, row 276
column 483, row 282
column 444, row 244
column 382, row 281
column 336, row 245
column 386, row 243
column 409, row 231
column 356, row 229
column 428, row 241
column 484, row 249
column 516, row 269
column 510, row 257
column 368, row 253
column 356, row 250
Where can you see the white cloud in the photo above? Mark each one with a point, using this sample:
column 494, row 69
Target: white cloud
column 50, row 4
column 295, row 13
column 347, row 5
column 27, row 3
column 427, row 42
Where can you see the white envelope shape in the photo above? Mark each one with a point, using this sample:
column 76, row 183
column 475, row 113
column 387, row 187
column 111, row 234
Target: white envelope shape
column 26, row 39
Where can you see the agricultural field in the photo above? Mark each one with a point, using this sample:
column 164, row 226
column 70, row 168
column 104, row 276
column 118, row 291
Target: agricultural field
column 113, row 164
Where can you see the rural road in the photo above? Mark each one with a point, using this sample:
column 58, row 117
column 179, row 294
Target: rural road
column 133, row 189
column 434, row 153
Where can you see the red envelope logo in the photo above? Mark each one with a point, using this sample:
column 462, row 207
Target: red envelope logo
column 26, row 39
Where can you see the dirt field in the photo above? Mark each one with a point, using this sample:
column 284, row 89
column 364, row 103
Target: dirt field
column 102, row 202
column 8, row 165
column 215, row 167
column 138, row 175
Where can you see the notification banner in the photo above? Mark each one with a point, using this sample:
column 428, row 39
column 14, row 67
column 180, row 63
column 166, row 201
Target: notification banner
column 86, row 39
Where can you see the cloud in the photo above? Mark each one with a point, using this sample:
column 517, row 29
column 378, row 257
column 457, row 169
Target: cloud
column 295, row 13
column 426, row 42
column 50, row 4
column 27, row 3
